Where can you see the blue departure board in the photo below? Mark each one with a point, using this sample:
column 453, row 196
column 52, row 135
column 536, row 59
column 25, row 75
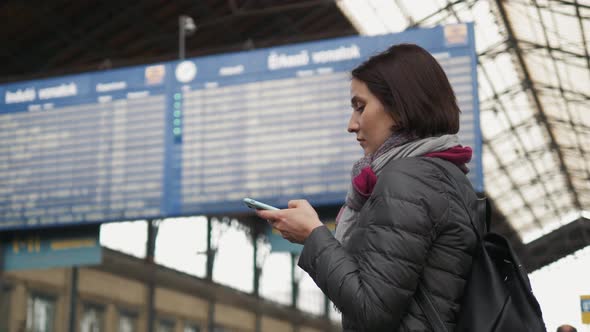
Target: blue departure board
column 196, row 136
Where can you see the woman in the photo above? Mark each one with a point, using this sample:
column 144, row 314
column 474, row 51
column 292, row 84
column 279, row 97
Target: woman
column 403, row 225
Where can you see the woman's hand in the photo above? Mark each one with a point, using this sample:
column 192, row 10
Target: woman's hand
column 295, row 223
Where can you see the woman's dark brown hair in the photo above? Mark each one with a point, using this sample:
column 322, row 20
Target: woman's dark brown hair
column 413, row 87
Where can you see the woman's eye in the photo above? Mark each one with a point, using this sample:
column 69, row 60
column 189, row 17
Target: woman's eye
column 360, row 109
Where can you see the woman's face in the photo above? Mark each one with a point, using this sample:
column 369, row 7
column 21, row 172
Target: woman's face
column 371, row 123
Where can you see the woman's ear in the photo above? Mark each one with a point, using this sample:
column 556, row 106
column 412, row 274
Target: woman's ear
column 396, row 122
column 396, row 128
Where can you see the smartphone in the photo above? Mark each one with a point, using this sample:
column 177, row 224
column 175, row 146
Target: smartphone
column 254, row 204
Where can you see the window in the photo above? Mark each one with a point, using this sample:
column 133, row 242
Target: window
column 190, row 327
column 40, row 313
column 127, row 322
column 218, row 328
column 165, row 326
column 92, row 319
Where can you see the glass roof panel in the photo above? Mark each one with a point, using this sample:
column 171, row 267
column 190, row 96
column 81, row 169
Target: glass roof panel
column 501, row 183
column 562, row 26
column 504, row 68
column 520, row 110
column 556, row 109
column 486, row 31
column 417, row 9
column 508, row 147
column 495, row 122
column 522, row 218
column 486, row 91
column 581, row 115
column 577, row 160
column 540, row 209
column 522, row 173
column 512, row 202
column 546, row 161
column 556, row 184
column 576, row 70
column 552, row 76
column 389, row 15
column 573, row 78
column 521, row 14
column 566, row 135
column 532, row 135
column 541, row 67
column 489, row 160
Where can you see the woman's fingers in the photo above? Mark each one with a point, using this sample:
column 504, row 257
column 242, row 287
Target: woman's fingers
column 267, row 214
column 274, row 222
column 295, row 223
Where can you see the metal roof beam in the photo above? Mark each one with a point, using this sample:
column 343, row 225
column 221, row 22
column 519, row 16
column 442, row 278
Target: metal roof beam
column 538, row 199
column 527, row 45
column 575, row 3
column 552, row 7
column 510, row 91
column 580, row 174
column 448, row 8
column 562, row 122
column 143, row 44
column 561, row 242
column 405, row 12
column 494, row 50
column 583, row 32
column 583, row 97
column 530, row 122
column 536, row 100
column 243, row 11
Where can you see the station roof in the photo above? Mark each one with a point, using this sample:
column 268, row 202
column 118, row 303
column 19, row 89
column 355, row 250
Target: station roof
column 42, row 38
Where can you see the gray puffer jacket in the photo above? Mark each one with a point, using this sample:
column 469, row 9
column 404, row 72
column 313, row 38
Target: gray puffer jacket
column 412, row 232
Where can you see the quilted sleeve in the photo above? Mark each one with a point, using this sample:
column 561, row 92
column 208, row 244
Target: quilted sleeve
column 373, row 282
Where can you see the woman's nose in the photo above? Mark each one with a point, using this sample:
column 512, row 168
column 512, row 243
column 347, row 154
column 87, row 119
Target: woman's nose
column 353, row 125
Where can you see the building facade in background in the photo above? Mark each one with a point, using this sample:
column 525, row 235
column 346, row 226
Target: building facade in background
column 115, row 297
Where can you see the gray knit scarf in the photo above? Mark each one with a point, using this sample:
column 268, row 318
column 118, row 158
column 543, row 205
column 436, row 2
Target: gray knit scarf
column 396, row 147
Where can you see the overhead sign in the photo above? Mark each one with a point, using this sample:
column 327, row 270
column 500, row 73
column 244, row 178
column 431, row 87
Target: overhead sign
column 196, row 136
column 40, row 249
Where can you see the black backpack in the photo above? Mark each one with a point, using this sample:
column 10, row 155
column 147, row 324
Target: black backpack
column 498, row 295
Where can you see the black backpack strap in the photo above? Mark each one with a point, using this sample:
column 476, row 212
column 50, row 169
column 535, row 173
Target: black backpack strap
column 425, row 303
column 482, row 203
column 483, row 213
